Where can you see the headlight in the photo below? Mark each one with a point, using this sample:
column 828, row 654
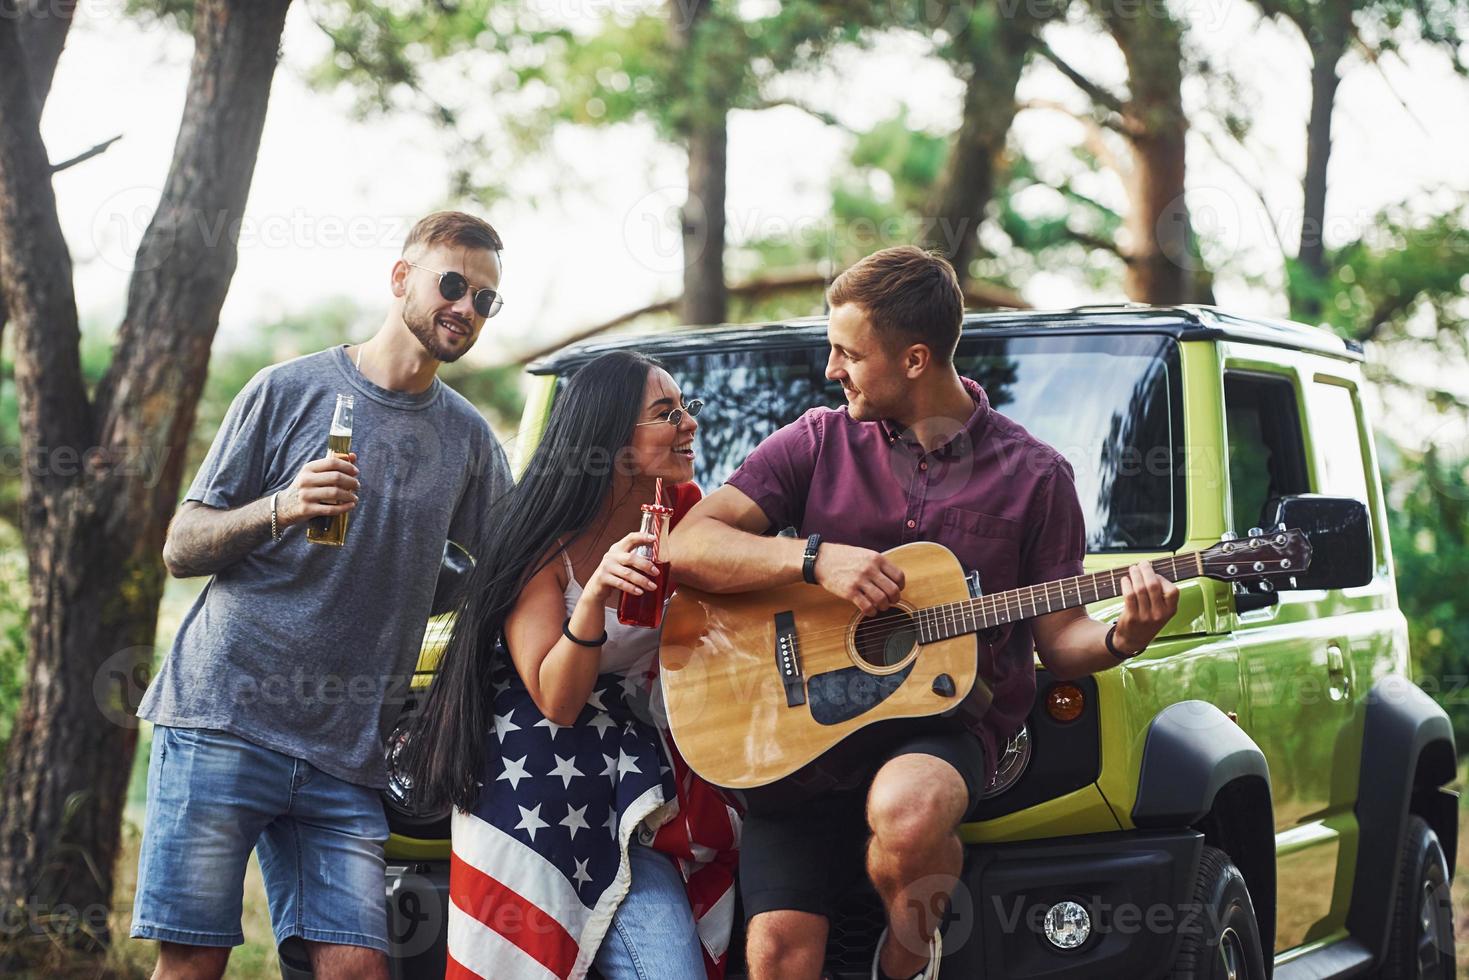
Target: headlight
column 399, row 795
column 1013, row 761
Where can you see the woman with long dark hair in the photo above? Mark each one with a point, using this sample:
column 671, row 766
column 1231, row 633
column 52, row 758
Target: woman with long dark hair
column 579, row 838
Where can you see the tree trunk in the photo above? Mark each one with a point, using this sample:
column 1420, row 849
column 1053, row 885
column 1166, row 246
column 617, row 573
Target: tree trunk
column 1328, row 37
column 992, row 59
column 1162, row 260
column 43, row 26
column 100, row 485
column 705, row 298
column 705, row 130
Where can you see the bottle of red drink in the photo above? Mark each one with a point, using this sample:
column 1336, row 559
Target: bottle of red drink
column 647, row 609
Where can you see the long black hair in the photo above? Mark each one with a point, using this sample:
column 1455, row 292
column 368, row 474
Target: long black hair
column 562, row 491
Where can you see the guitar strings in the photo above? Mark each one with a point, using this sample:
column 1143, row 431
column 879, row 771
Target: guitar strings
column 990, row 605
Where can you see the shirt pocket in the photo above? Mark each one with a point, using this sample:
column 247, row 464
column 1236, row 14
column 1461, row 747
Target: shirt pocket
column 985, row 543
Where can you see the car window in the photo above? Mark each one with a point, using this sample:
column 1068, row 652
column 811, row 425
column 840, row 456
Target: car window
column 1111, row 404
column 1338, row 436
column 1266, row 455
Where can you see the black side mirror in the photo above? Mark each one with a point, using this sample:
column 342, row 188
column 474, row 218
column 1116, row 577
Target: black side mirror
column 1340, row 536
column 453, row 576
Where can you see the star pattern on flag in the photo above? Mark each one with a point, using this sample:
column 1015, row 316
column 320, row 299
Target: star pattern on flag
column 544, row 792
column 504, row 725
column 521, row 842
column 514, row 772
column 575, row 819
column 566, row 769
column 530, row 820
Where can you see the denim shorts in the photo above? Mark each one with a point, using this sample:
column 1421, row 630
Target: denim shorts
column 653, row 934
column 212, row 798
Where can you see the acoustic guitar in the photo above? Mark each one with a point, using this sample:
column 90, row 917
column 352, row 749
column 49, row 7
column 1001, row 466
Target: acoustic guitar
column 759, row 684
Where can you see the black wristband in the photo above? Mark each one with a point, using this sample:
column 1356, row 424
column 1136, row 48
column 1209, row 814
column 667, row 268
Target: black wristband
column 1112, row 647
column 808, row 560
column 566, row 631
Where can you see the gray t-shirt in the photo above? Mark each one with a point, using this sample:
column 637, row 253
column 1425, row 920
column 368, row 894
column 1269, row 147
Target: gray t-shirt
column 298, row 646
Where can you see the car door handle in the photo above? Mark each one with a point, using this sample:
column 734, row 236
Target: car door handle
column 1338, row 684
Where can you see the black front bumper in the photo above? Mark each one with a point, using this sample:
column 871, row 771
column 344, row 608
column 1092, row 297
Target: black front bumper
column 1136, row 886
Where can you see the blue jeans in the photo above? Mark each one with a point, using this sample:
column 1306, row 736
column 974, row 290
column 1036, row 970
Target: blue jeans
column 652, row 935
column 212, row 797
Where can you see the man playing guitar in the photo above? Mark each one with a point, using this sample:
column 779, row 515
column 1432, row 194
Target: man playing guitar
column 918, row 455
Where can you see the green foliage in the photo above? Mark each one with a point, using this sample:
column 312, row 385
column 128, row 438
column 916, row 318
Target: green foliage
column 1429, row 520
column 1401, row 264
column 641, row 63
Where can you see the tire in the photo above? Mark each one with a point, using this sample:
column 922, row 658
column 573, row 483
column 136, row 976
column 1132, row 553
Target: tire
column 1420, row 945
column 1221, row 940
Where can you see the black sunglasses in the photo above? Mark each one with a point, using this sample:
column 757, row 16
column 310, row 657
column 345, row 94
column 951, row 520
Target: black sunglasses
column 452, row 286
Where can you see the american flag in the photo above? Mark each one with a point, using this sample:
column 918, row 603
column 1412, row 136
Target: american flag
column 540, row 864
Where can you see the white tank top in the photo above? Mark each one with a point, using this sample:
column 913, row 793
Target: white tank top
column 628, row 649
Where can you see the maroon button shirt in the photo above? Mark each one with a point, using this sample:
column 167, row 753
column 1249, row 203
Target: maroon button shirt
column 1003, row 501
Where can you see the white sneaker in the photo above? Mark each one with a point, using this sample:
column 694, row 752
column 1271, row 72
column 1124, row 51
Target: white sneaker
column 935, row 953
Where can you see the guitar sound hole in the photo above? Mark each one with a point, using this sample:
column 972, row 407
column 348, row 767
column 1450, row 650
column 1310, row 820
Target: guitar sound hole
column 886, row 639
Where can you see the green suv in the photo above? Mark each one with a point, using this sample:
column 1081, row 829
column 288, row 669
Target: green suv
column 1263, row 790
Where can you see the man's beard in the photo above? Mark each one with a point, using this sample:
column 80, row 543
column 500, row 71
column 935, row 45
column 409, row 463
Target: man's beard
column 422, row 326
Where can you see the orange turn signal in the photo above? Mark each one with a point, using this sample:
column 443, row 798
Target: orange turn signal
column 1065, row 702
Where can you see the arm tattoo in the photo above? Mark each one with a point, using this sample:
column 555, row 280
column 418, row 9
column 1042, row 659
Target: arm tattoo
column 202, row 540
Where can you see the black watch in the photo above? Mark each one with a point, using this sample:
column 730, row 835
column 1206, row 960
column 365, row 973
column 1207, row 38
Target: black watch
column 808, row 560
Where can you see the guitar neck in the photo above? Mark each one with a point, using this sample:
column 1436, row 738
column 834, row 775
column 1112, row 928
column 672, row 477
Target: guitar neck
column 953, row 619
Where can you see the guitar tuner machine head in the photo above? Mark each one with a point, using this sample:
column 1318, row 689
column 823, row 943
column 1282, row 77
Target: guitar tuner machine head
column 1280, row 552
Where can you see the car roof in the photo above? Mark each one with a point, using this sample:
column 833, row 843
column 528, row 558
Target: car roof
column 1182, row 322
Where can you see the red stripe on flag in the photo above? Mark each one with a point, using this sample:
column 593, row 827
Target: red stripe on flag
column 504, row 910
column 454, row 970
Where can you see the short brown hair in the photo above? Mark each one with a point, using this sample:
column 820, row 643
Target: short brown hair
column 453, row 228
column 909, row 295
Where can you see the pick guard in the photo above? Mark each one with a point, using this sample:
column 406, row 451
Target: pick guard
column 840, row 695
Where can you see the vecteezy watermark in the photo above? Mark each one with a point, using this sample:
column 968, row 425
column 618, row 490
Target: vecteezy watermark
column 121, row 224
column 417, row 916
column 67, row 461
column 667, row 229
column 120, row 682
column 58, row 921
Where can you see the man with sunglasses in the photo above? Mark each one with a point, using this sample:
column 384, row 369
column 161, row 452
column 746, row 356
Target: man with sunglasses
column 270, row 709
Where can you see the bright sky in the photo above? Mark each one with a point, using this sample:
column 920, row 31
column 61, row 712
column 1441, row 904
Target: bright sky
column 333, row 197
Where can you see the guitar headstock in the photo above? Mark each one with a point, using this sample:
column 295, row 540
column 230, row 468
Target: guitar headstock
column 1276, row 554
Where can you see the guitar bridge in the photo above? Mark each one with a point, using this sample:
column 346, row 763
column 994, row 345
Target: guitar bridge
column 788, row 659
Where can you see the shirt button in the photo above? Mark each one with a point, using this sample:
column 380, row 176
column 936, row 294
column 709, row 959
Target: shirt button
column 923, row 466
column 912, row 523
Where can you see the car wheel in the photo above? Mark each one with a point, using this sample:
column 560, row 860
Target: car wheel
column 1421, row 943
column 1221, row 940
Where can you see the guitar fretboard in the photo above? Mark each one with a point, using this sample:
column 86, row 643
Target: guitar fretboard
column 953, row 619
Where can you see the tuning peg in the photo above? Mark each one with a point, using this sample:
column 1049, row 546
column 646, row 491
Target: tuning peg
column 1255, row 532
column 1280, row 527
column 1228, row 536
